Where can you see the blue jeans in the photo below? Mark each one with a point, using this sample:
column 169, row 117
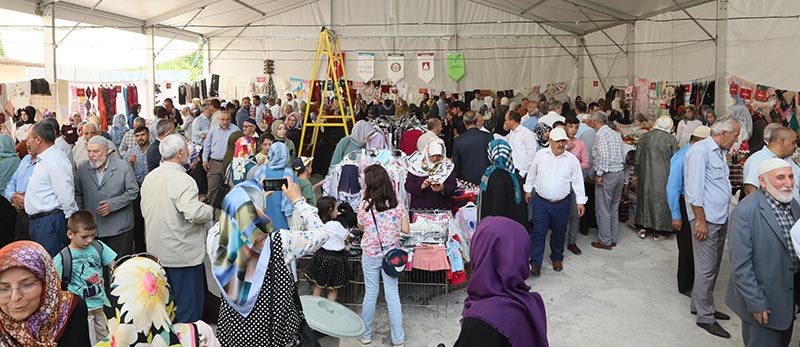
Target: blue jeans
column 548, row 216
column 371, row 268
column 50, row 231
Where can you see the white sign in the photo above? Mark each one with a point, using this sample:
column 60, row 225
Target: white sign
column 396, row 67
column 366, row 65
column 425, row 69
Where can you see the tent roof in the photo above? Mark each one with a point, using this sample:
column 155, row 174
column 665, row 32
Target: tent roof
column 209, row 18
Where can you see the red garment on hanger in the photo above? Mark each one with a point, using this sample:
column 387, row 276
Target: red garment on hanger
column 408, row 141
column 101, row 106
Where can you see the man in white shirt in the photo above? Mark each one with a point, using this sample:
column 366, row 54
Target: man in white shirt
column 291, row 101
column 477, row 102
column 434, row 129
column 276, row 109
column 553, row 172
column 50, row 198
column 522, row 141
column 175, row 222
column 554, row 115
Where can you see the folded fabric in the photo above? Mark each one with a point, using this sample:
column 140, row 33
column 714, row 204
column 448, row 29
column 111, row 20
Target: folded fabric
column 430, row 258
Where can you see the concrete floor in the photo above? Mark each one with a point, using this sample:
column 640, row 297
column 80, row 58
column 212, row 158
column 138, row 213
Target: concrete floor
column 624, row 297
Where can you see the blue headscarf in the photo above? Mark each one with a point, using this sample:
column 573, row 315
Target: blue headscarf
column 499, row 153
column 278, row 156
column 278, row 161
column 8, row 159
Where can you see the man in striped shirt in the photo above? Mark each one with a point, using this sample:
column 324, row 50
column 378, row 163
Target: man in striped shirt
column 609, row 175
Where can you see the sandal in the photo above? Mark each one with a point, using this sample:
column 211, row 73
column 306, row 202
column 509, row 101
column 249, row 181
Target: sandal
column 656, row 236
column 642, row 234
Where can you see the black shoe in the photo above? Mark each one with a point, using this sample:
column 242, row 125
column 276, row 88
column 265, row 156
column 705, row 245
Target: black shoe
column 535, row 271
column 574, row 249
column 584, row 232
column 688, row 293
column 717, row 315
column 715, row 329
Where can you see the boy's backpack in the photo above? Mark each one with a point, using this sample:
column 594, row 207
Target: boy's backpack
column 66, row 263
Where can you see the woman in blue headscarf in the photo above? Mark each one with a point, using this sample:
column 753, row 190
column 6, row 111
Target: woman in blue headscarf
column 8, row 165
column 278, row 206
column 118, row 129
column 501, row 187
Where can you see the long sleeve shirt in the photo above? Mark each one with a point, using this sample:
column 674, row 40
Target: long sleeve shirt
column 707, row 181
column 523, row 148
column 51, row 184
column 200, row 127
column 685, row 129
column 174, row 217
column 675, row 181
column 216, row 143
column 552, row 177
column 580, row 151
column 607, row 151
column 19, row 180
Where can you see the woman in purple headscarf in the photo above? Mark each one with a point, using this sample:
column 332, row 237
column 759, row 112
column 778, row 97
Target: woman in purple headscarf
column 500, row 310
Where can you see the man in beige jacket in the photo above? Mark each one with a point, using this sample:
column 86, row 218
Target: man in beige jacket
column 175, row 226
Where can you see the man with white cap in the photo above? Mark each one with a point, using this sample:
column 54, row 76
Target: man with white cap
column 677, row 208
column 782, row 143
column 553, row 172
column 763, row 257
column 708, row 196
column 106, row 186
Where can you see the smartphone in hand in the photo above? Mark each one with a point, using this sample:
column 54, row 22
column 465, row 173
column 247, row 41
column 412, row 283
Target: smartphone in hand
column 271, row 185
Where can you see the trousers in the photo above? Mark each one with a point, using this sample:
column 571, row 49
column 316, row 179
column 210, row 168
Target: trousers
column 215, row 174
column 685, row 256
column 574, row 221
column 50, row 231
column 373, row 272
column 707, row 258
column 548, row 216
column 188, row 286
column 607, row 197
column 755, row 335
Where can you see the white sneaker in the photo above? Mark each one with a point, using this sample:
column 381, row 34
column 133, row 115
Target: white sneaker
column 364, row 341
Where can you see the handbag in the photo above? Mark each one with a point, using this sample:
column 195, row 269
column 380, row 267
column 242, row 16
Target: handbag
column 394, row 261
column 222, row 191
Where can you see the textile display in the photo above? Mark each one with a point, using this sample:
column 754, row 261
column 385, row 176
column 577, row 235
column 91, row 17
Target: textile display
column 271, row 92
column 366, row 65
column 425, row 68
column 396, row 67
column 779, row 105
column 337, row 70
column 214, row 90
column 455, row 66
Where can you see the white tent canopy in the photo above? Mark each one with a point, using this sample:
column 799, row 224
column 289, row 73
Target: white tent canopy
column 507, row 44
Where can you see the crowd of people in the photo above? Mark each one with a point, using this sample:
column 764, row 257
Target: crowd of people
column 106, row 231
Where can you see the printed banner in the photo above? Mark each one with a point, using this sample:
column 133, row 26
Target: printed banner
column 366, row 65
column 396, row 67
column 425, row 70
column 455, row 66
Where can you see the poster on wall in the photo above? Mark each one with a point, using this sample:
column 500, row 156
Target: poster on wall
column 396, row 67
column 366, row 65
column 425, row 70
column 455, row 66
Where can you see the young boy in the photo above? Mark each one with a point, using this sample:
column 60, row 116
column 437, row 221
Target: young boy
column 87, row 263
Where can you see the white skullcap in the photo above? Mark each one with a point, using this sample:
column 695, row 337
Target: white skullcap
column 99, row 140
column 772, row 164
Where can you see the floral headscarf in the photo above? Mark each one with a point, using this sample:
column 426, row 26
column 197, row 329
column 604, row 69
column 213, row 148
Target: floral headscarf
column 144, row 308
column 242, row 161
column 420, row 164
column 46, row 324
column 540, row 129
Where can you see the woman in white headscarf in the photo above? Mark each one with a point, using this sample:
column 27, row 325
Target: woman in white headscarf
column 431, row 179
column 653, row 155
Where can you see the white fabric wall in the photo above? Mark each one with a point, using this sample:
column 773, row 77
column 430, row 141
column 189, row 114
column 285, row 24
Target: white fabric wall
column 497, row 56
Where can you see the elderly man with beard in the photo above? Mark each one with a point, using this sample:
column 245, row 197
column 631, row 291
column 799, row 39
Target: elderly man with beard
column 763, row 257
column 79, row 152
column 106, row 186
column 175, row 226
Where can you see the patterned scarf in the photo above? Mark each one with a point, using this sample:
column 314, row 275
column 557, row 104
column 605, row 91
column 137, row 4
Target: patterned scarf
column 46, row 324
column 499, row 153
column 244, row 150
column 145, row 308
column 540, row 129
column 233, row 246
column 420, row 164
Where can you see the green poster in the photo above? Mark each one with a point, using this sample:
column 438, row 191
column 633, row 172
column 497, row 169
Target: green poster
column 455, row 66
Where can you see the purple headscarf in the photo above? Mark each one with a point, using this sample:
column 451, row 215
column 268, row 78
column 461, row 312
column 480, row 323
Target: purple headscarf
column 497, row 293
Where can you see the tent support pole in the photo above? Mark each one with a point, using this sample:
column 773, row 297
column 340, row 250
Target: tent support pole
column 581, row 71
column 49, row 22
column 79, row 22
column 230, row 42
column 630, row 53
column 695, row 20
column 149, row 37
column 601, row 30
column 181, row 30
column 557, row 41
column 594, row 66
column 721, row 85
